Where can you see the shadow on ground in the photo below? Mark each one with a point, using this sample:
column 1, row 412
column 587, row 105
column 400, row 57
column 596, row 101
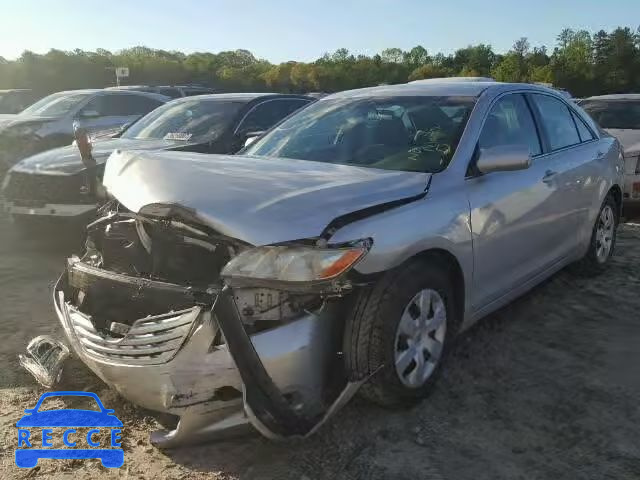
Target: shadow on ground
column 548, row 387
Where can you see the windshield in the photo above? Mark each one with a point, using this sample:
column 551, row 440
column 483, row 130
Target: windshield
column 620, row 114
column 55, row 105
column 187, row 120
column 418, row 134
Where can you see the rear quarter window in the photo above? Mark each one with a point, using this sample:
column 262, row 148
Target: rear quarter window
column 557, row 122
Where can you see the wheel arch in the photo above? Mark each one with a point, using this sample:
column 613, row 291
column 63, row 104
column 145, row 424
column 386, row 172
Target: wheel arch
column 450, row 264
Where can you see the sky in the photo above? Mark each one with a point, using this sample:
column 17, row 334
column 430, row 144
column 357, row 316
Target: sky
column 281, row 30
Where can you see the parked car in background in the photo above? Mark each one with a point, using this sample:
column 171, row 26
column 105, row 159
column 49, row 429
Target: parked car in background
column 453, row 79
column 619, row 115
column 54, row 183
column 345, row 247
column 317, row 95
column 173, row 91
column 16, row 100
column 48, row 123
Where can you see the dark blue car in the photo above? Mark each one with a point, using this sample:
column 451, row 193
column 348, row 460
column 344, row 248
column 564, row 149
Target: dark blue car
column 28, row 457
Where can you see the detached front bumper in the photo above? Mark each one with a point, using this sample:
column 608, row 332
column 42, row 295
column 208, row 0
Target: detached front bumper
column 175, row 363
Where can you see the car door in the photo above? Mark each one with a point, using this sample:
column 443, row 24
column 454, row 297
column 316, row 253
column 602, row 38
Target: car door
column 514, row 221
column 264, row 115
column 572, row 163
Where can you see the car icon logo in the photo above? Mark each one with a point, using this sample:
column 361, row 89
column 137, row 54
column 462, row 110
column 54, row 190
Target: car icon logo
column 28, row 452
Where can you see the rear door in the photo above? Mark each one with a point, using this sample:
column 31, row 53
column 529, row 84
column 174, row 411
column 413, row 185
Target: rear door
column 572, row 164
column 514, row 219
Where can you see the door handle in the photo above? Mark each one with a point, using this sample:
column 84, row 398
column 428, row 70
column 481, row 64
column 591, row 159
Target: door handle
column 548, row 176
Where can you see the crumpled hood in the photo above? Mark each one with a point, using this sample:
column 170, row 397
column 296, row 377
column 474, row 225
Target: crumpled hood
column 67, row 160
column 258, row 200
column 629, row 139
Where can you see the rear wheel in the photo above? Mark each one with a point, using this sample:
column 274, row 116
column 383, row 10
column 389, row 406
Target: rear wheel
column 603, row 239
column 399, row 331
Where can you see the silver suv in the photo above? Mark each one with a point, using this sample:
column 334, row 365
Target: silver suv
column 48, row 123
column 345, row 248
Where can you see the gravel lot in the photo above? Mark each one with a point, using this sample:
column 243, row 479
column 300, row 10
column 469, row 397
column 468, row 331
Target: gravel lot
column 547, row 388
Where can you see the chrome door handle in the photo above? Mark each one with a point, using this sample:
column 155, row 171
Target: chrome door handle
column 548, row 176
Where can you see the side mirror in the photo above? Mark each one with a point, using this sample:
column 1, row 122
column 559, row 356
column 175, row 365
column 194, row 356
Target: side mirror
column 89, row 114
column 504, row 158
column 251, row 137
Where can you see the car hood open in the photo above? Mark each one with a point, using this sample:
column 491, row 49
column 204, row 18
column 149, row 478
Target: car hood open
column 67, row 160
column 257, row 200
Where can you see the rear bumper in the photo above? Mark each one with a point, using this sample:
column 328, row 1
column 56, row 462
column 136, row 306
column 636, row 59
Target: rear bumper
column 632, row 189
column 180, row 369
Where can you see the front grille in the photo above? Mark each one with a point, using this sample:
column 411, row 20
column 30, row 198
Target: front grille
column 150, row 340
column 32, row 188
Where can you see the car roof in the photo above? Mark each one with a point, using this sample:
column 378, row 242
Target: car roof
column 615, row 96
column 454, row 79
column 10, row 90
column 246, row 97
column 156, row 96
column 83, row 90
column 128, row 87
column 114, row 91
column 191, row 86
column 441, row 87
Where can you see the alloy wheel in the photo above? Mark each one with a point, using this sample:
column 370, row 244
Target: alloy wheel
column 420, row 338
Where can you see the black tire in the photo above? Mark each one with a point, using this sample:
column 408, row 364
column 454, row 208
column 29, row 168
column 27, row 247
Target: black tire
column 591, row 264
column 371, row 326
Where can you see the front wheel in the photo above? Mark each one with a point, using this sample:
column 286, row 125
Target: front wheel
column 398, row 332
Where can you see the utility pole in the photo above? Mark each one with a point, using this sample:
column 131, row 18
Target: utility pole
column 120, row 72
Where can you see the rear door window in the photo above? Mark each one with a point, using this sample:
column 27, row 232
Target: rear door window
column 122, row 105
column 583, row 130
column 267, row 114
column 557, row 122
column 510, row 122
column 140, row 104
column 170, row 92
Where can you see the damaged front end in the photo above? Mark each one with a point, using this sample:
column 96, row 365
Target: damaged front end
column 181, row 319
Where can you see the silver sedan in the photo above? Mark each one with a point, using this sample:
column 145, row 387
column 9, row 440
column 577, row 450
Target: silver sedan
column 342, row 250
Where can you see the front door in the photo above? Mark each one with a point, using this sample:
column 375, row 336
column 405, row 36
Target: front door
column 515, row 220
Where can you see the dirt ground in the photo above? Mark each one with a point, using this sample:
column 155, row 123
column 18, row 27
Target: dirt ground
column 548, row 388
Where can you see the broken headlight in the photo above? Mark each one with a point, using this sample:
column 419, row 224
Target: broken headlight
column 291, row 265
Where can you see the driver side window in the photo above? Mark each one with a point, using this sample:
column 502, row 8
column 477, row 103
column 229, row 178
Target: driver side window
column 510, row 122
column 95, row 105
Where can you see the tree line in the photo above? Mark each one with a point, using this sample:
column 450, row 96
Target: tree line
column 581, row 62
